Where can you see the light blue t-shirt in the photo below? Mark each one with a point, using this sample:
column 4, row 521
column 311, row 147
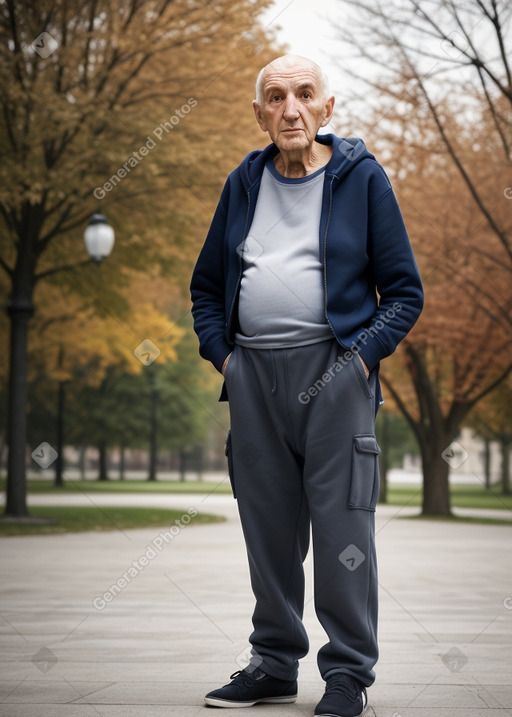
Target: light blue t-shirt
column 281, row 293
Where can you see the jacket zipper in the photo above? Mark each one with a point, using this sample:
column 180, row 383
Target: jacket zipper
column 232, row 307
column 325, row 260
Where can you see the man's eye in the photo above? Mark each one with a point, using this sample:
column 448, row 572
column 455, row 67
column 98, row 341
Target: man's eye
column 275, row 98
column 306, row 95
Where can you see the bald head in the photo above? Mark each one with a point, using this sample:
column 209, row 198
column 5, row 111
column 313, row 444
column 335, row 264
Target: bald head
column 286, row 64
column 291, row 105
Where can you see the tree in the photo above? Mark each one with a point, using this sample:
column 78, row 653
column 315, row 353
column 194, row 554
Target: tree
column 395, row 440
column 492, row 419
column 445, row 51
column 440, row 116
column 459, row 351
column 109, row 390
column 119, row 103
column 81, row 355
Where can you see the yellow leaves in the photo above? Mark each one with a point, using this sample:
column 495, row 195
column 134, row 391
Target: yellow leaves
column 147, row 326
column 179, row 74
column 69, row 342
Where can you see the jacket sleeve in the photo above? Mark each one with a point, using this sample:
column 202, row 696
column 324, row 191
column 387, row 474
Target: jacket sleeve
column 208, row 290
column 396, row 276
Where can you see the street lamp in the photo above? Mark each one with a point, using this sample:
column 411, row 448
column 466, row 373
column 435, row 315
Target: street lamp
column 99, row 241
column 99, row 238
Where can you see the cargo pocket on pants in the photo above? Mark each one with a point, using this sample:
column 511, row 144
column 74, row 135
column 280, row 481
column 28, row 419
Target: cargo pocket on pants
column 228, row 451
column 364, row 480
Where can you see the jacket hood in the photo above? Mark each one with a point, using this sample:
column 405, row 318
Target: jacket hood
column 347, row 153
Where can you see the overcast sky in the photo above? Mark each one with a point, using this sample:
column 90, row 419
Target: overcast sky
column 306, row 27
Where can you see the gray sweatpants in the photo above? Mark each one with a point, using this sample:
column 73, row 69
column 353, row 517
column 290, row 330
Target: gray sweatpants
column 303, row 455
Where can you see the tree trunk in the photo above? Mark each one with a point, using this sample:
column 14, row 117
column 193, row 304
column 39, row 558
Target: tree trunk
column 81, row 460
column 505, row 465
column 487, row 463
column 153, row 427
column 122, row 451
column 20, row 311
column 200, row 463
column 3, row 454
column 59, row 462
column 183, row 465
column 384, row 458
column 103, row 459
column 436, row 472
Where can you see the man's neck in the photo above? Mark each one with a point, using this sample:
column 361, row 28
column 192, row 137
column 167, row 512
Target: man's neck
column 300, row 163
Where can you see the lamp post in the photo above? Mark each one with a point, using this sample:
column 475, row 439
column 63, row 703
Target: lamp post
column 153, row 424
column 99, row 241
column 99, row 238
column 20, row 310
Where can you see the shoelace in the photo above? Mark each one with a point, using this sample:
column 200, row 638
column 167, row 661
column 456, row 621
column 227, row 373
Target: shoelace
column 344, row 685
column 244, row 677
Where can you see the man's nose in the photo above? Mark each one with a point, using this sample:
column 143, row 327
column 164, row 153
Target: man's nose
column 291, row 111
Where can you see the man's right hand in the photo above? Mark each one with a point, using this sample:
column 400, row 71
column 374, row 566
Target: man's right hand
column 224, row 365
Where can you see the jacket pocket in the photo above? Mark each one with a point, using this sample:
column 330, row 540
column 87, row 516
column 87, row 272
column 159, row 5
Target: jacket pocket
column 230, row 362
column 364, row 480
column 228, row 451
column 365, row 382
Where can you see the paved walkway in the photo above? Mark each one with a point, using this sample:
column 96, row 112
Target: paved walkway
column 176, row 624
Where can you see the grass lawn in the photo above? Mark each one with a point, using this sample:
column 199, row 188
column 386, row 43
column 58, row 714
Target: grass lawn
column 463, row 496
column 463, row 519
column 77, row 519
column 42, row 485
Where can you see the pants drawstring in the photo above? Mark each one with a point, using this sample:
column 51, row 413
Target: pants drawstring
column 274, row 373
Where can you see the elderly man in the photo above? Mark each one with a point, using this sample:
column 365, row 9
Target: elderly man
column 305, row 282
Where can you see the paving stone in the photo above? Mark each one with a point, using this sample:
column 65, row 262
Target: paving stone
column 177, row 628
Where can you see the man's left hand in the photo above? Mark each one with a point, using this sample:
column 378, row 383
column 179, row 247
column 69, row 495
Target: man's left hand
column 366, row 369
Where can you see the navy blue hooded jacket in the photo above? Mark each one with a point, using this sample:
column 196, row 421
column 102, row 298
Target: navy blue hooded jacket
column 372, row 288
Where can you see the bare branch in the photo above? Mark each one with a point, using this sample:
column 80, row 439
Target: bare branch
column 63, row 267
column 501, row 42
column 492, row 386
column 6, row 267
column 473, row 59
column 458, row 163
column 413, row 422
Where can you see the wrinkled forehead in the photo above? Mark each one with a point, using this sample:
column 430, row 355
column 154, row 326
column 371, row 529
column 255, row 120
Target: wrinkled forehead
column 291, row 76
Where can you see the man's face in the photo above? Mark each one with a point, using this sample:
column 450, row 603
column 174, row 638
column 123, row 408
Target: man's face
column 294, row 105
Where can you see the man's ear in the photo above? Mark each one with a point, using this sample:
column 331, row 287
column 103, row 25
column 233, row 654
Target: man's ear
column 258, row 115
column 329, row 109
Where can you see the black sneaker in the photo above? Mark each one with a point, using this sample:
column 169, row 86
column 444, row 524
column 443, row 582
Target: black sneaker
column 251, row 686
column 344, row 696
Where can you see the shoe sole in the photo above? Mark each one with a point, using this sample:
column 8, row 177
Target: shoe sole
column 216, row 702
